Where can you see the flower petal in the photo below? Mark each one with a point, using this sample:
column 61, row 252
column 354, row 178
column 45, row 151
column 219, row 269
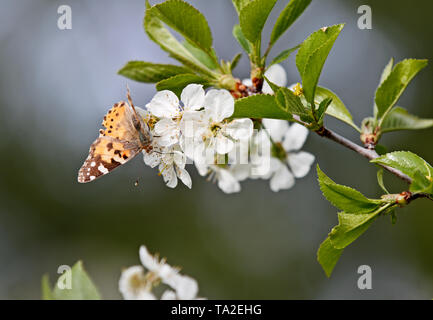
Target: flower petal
column 295, row 137
column 276, row 74
column 186, row 287
column 168, row 295
column 131, row 282
column 193, row 97
column 184, row 176
column 240, row 128
column 227, row 182
column 150, row 262
column 300, row 163
column 277, row 128
column 223, row 144
column 151, row 159
column 168, row 132
column 164, row 104
column 219, row 104
column 168, row 175
column 282, row 179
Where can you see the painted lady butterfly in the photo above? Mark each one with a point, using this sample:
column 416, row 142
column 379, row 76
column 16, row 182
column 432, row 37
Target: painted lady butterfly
column 125, row 135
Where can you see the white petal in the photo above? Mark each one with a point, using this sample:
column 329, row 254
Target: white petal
column 193, row 97
column 168, row 132
column 240, row 128
column 145, row 295
column 219, row 104
column 240, row 171
column 151, row 159
column 300, row 163
column 282, row 179
column 295, row 137
column 202, row 168
column 276, row 74
column 168, row 175
column 147, row 260
column 168, row 295
column 227, row 182
column 129, row 279
column 277, row 128
column 184, row 176
column 223, row 145
column 247, row 82
column 186, row 287
column 164, row 104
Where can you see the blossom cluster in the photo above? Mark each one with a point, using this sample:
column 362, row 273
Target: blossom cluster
column 136, row 284
column 199, row 129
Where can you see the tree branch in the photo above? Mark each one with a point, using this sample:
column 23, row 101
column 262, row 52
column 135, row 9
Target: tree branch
column 367, row 153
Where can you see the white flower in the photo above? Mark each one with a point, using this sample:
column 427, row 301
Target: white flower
column 287, row 141
column 167, row 108
column 226, row 179
column 133, row 284
column 208, row 132
column 171, row 163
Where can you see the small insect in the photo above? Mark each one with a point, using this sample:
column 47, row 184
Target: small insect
column 125, row 135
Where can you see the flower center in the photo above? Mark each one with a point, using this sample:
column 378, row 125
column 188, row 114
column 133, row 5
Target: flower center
column 278, row 151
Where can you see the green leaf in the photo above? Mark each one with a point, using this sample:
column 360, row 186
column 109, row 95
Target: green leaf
column 283, row 55
column 413, row 166
column 239, row 4
column 345, row 198
column 179, row 82
column 82, row 288
column 380, row 180
column 159, row 34
column 336, row 109
column 328, row 256
column 385, row 73
column 259, row 106
column 393, row 86
column 239, row 36
column 201, row 55
column 323, row 106
column 312, row 56
column 350, row 227
column 186, row 20
column 253, row 17
column 150, row 72
column 46, row 288
column 399, row 119
column 292, row 104
column 287, row 17
column 235, row 61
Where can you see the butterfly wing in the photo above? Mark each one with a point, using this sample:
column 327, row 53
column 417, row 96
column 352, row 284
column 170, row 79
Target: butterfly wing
column 118, row 143
column 105, row 155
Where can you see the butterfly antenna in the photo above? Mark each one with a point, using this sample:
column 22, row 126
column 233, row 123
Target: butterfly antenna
column 128, row 96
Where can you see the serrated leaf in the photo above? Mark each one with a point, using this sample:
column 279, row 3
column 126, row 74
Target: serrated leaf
column 202, row 56
column 345, row 198
column 328, row 256
column 46, row 288
column 399, row 119
column 253, row 16
column 186, row 20
column 336, row 109
column 150, row 72
column 179, row 82
column 394, row 85
column 292, row 104
column 287, row 17
column 82, row 288
column 283, row 56
column 239, row 36
column 350, row 227
column 312, row 56
column 413, row 166
column 259, row 106
column 158, row 33
column 385, row 73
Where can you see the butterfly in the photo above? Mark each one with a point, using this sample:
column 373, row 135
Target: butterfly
column 126, row 134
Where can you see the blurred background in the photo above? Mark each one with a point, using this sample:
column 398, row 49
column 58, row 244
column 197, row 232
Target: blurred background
column 56, row 86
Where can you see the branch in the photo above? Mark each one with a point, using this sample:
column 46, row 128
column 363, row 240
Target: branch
column 367, row 153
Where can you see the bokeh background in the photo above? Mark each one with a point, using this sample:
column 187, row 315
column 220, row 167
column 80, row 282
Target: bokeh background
column 55, row 87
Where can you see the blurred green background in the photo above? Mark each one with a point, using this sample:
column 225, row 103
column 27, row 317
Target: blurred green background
column 55, row 87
